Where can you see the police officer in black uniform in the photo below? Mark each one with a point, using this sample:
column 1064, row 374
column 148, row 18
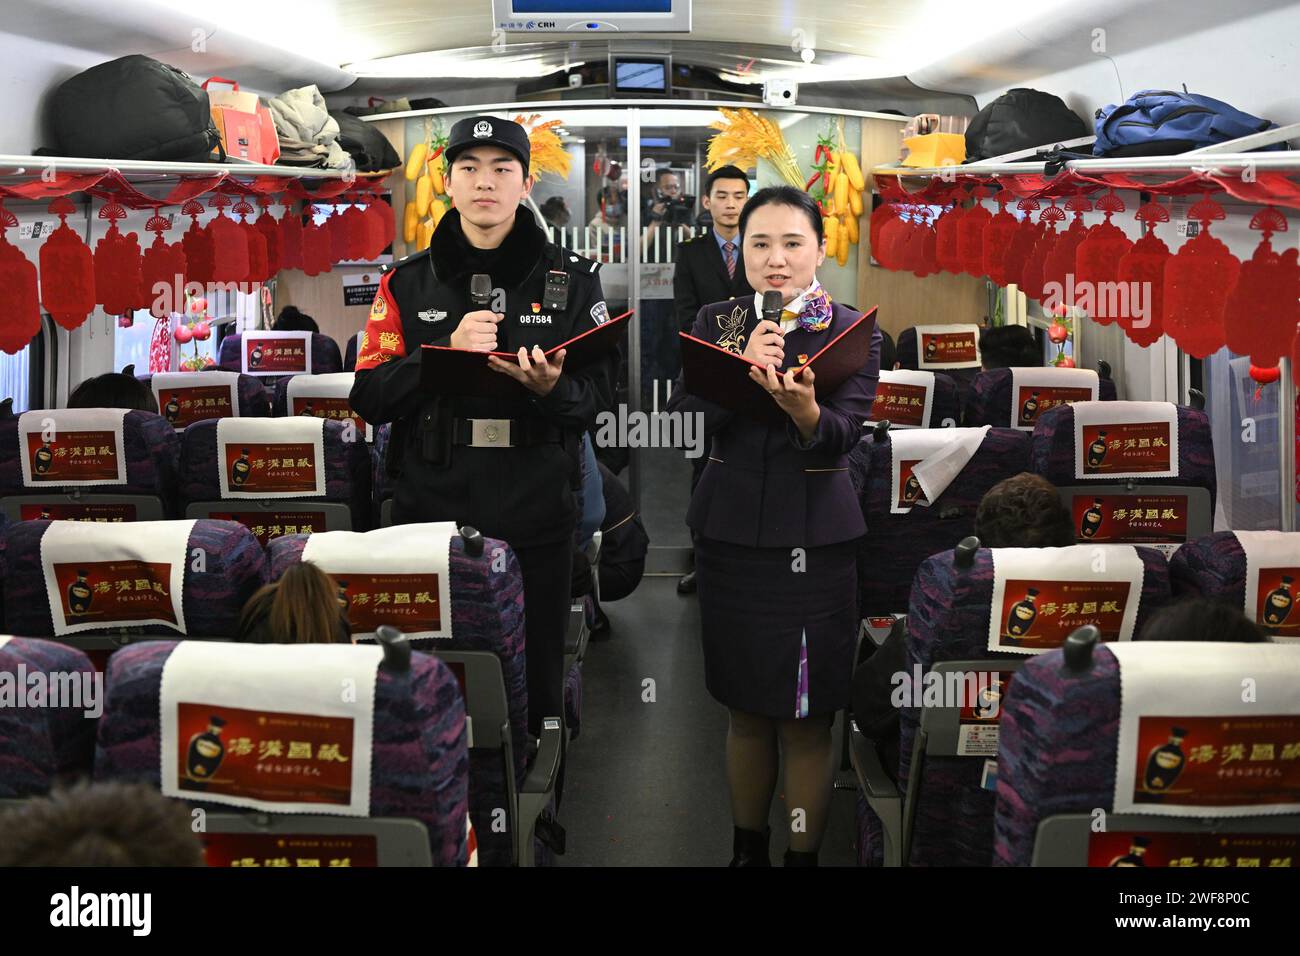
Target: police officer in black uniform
column 507, row 466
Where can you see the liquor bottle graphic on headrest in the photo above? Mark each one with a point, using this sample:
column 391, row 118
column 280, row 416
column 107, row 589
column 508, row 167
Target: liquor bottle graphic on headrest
column 345, row 603
column 206, row 751
column 240, row 469
column 1278, row 604
column 1022, row 615
column 43, row 458
column 989, row 701
column 79, row 593
column 45, row 513
column 172, row 410
column 1165, row 762
column 931, row 348
column 1136, row 851
column 911, row 490
column 308, row 409
column 255, row 356
column 1029, row 409
column 1097, row 450
column 1091, row 523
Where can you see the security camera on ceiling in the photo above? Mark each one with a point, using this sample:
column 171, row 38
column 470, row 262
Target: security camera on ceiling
column 780, row 92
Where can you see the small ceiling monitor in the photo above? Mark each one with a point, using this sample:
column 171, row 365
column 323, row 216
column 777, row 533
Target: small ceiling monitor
column 639, row 76
column 592, row 16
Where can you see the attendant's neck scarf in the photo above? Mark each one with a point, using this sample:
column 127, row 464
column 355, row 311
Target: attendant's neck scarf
column 812, row 308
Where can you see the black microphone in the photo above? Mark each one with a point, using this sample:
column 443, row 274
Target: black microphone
column 772, row 306
column 480, row 289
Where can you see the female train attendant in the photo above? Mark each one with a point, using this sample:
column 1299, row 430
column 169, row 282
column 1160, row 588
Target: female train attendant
column 775, row 521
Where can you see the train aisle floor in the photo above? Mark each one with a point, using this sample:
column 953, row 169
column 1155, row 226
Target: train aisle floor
column 646, row 783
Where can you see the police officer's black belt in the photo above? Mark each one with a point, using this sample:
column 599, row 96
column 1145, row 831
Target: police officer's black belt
column 504, row 432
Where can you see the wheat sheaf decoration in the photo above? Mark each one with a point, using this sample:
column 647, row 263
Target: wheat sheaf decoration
column 548, row 152
column 744, row 137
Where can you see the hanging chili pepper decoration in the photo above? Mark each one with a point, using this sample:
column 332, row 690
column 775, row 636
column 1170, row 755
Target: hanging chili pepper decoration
column 970, row 235
column 1096, row 266
column 291, row 231
column 997, row 241
column 945, row 236
column 162, row 269
column 197, row 243
column 257, row 265
column 20, row 310
column 1142, row 272
column 67, row 273
column 1058, row 267
column 315, row 246
column 117, row 264
column 1021, row 246
column 1260, row 315
column 229, row 244
column 1197, row 281
column 1032, row 278
column 269, row 227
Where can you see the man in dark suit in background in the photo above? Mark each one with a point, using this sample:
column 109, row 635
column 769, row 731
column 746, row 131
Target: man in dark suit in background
column 710, row 269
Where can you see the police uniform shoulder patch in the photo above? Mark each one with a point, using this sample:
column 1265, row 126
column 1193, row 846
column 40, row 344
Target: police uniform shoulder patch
column 600, row 312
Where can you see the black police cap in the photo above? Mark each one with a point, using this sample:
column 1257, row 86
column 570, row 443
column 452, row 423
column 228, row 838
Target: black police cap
column 489, row 131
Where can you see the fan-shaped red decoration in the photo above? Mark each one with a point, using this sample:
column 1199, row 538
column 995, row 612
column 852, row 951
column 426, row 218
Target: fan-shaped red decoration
column 1197, row 282
column 290, row 238
column 315, row 248
column 997, row 240
column 1262, row 310
column 945, row 238
column 970, row 235
column 163, row 270
column 20, row 310
column 257, row 264
column 67, row 273
column 117, row 264
column 1096, row 266
column 879, row 216
column 1058, row 267
column 1020, row 248
column 269, row 227
column 197, row 243
column 229, row 244
column 1031, row 278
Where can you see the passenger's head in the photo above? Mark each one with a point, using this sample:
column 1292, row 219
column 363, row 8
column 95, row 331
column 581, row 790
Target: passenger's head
column 1008, row 346
column 556, row 211
column 101, row 824
column 668, row 183
column 725, row 192
column 291, row 320
column 304, row 607
column 114, row 390
column 781, row 234
column 1200, row 619
column 1024, row 511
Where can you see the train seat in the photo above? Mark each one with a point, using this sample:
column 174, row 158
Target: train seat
column 281, row 354
column 911, row 399
column 185, row 397
column 41, row 746
column 1016, row 397
column 1244, row 569
column 951, row 349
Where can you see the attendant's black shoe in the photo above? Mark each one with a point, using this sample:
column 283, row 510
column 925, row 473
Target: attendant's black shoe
column 750, row 848
column 800, row 858
column 686, row 583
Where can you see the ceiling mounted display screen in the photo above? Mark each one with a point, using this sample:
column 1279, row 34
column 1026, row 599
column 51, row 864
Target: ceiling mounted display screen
column 592, row 16
column 644, row 77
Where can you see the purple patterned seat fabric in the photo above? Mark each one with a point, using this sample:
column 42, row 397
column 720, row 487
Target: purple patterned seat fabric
column 947, row 402
column 896, row 543
column 487, row 612
column 948, row 620
column 152, row 450
column 420, row 762
column 990, row 399
column 42, row 746
column 1057, row 748
column 1051, row 452
column 573, row 699
column 871, row 838
column 234, row 566
column 962, row 378
column 254, row 399
column 350, row 356
column 381, row 485
column 1213, row 566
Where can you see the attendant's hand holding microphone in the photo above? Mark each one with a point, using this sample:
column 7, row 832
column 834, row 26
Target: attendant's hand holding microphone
column 767, row 344
column 477, row 330
column 796, row 397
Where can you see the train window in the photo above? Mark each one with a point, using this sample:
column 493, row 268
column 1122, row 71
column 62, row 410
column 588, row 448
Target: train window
column 16, row 379
column 1244, row 423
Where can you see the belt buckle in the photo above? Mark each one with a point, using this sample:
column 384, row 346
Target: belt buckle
column 490, row 433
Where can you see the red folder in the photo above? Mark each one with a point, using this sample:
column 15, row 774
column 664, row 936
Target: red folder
column 449, row 371
column 722, row 377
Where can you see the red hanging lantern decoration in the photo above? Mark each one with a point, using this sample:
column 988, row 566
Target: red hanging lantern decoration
column 1142, row 271
column 291, row 231
column 197, row 244
column 117, row 264
column 923, row 261
column 257, row 264
column 269, row 227
column 1058, row 267
column 315, row 247
column 67, row 275
column 355, row 225
column 1197, row 282
column 970, row 235
column 909, row 243
column 337, row 229
column 879, row 216
column 1096, row 266
column 1021, row 247
column 893, row 234
column 1262, row 310
column 945, row 238
column 229, row 244
column 1031, row 278
column 997, row 240
column 162, row 270
column 1262, row 376
column 381, row 213
column 20, row 309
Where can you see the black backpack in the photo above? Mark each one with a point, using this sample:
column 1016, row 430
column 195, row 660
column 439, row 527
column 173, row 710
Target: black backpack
column 1021, row 119
column 369, row 148
column 133, row 108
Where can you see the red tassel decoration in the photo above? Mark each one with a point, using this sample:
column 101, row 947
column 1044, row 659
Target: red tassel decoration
column 20, row 310
column 315, row 247
column 229, row 244
column 945, row 238
column 1021, row 247
column 1142, row 270
column 162, row 270
column 1262, row 310
column 1096, row 266
column 1197, row 282
column 67, row 273
column 269, row 227
column 997, row 241
column 1058, row 267
column 970, row 235
column 197, row 243
column 290, row 238
column 257, row 265
column 117, row 264
column 1032, row 278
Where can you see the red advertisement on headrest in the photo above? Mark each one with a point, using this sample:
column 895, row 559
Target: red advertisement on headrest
column 1130, row 519
column 1134, row 848
column 335, row 409
column 274, row 355
column 1032, row 400
column 266, row 525
column 182, row 406
column 264, row 755
column 949, row 347
column 1275, row 601
column 73, row 456
column 899, row 403
column 1126, row 447
column 1218, row 761
column 408, row 602
column 982, row 704
column 269, row 849
column 1042, row 614
column 909, row 490
column 114, row 592
column 270, row 467
column 58, row 511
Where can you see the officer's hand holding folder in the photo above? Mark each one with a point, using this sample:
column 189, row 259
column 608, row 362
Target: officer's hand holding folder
column 722, row 377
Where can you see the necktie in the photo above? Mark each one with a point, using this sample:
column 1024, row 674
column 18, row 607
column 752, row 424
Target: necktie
column 729, row 248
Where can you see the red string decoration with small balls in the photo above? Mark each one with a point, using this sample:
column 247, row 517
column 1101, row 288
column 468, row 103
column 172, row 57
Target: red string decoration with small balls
column 117, row 264
column 162, row 270
column 1142, row 271
column 257, row 264
column 1031, row 279
column 269, row 227
column 197, row 243
column 970, row 235
column 1028, row 231
column 945, row 237
column 1262, row 310
column 315, row 246
column 1096, row 265
column 291, row 238
column 229, row 244
column 1197, row 282
column 997, row 241
column 20, row 310
column 67, row 278
column 1058, row 267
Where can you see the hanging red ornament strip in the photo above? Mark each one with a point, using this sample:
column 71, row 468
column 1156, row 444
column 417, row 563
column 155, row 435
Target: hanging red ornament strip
column 1058, row 267
column 970, row 235
column 945, row 237
column 20, row 310
column 257, row 264
column 229, row 244
column 879, row 216
column 163, row 270
column 117, row 264
column 1142, row 272
column 337, row 229
column 197, row 243
column 382, row 213
column 997, row 240
column 1096, row 266
column 892, row 234
column 1021, row 246
column 291, row 230
column 1197, row 282
column 923, row 262
column 1031, row 279
column 67, row 274
column 269, row 227
column 356, row 226
column 1263, row 308
column 315, row 246
column 906, row 248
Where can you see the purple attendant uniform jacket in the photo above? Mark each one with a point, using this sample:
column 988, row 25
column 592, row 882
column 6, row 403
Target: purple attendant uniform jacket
column 763, row 486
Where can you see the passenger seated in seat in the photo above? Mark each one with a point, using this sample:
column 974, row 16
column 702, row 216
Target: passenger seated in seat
column 1023, row 511
column 114, row 390
column 101, row 824
column 623, row 546
column 1008, row 346
column 291, row 320
column 1201, row 619
column 301, row 608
